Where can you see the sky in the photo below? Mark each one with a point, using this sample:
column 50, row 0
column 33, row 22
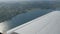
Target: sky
column 26, row 0
column 12, row 0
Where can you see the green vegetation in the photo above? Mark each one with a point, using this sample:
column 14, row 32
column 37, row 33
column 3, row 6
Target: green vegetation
column 9, row 10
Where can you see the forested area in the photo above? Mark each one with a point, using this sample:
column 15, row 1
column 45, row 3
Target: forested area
column 9, row 10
